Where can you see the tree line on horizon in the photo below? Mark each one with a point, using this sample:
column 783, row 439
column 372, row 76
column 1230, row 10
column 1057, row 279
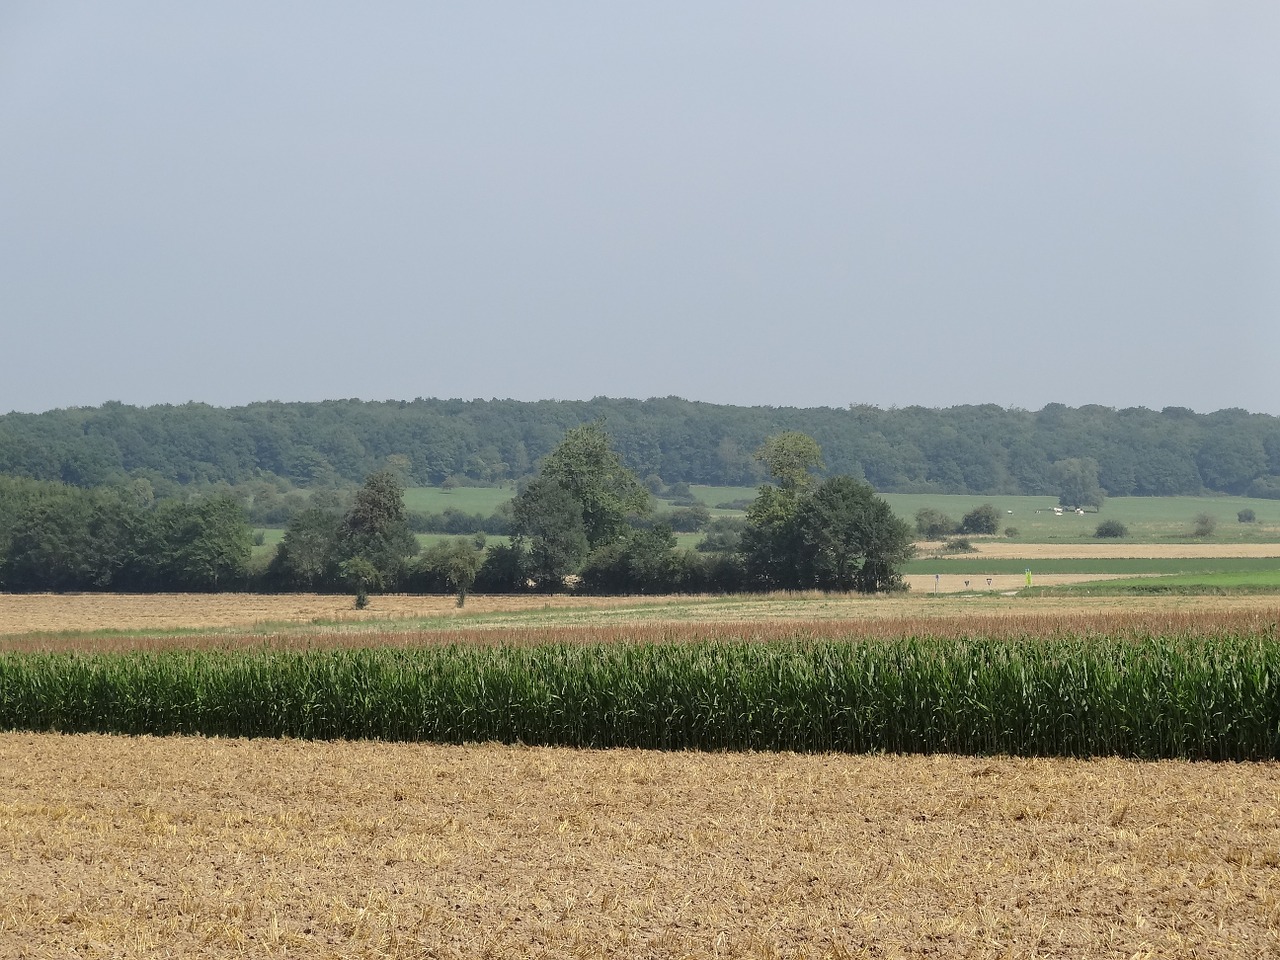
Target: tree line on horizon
column 583, row 522
column 987, row 449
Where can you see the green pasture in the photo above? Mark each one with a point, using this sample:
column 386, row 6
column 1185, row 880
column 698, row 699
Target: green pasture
column 1164, row 566
column 1240, row 581
column 715, row 495
column 487, row 499
column 482, row 500
column 1149, row 519
column 271, row 537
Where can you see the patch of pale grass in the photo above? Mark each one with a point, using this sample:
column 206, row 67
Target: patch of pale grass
column 1094, row 549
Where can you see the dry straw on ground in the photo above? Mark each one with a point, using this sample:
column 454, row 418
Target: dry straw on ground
column 46, row 614
column 424, row 621
column 143, row 848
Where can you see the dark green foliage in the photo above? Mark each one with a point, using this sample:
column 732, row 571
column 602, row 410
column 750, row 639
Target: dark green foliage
column 685, row 519
column 723, row 535
column 644, row 561
column 984, row 449
column 56, row 537
column 587, row 467
column 452, row 565
column 307, row 558
column 852, row 538
column 934, row 524
column 680, row 493
column 773, row 545
column 981, row 521
column 549, row 520
column 206, row 544
column 837, row 535
column 376, row 531
column 1111, row 528
column 503, row 570
column 1201, row 698
column 1204, row 525
column 458, row 522
column 70, row 540
column 1247, row 516
column 791, row 458
column 582, row 500
column 1077, row 483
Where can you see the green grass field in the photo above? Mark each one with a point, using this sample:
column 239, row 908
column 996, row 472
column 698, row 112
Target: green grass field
column 1222, row 582
column 1149, row 519
column 711, row 496
column 1164, row 566
column 467, row 499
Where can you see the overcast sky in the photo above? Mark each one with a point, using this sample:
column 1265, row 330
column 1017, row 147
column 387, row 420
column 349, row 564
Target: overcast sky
column 783, row 204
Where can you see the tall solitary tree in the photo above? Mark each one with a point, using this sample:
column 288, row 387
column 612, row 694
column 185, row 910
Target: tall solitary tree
column 548, row 523
column 587, row 467
column 376, row 529
column 1077, row 482
column 837, row 535
column 579, row 502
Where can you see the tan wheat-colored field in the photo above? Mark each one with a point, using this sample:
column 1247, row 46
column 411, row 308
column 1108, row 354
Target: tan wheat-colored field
column 147, row 848
column 27, row 614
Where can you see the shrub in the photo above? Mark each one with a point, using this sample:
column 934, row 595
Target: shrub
column 1204, row 525
column 723, row 535
column 1111, row 528
column 1010, row 532
column 958, row 545
column 981, row 520
column 934, row 524
column 1247, row 516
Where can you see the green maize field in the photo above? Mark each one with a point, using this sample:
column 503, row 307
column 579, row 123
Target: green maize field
column 1193, row 696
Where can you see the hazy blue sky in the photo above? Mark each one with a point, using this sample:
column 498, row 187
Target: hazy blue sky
column 784, row 204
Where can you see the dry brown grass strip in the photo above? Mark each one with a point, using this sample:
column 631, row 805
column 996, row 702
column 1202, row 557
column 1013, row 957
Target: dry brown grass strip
column 143, row 848
column 685, row 620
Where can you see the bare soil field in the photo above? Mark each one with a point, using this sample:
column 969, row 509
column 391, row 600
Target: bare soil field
column 922, row 583
column 147, row 848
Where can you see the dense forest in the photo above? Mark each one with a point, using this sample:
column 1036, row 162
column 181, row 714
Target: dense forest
column 967, row 449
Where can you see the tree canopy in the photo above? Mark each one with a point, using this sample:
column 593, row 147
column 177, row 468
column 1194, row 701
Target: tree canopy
column 833, row 535
column 983, row 449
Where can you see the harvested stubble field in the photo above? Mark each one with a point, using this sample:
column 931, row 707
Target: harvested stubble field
column 685, row 620
column 146, row 848
column 34, row 620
